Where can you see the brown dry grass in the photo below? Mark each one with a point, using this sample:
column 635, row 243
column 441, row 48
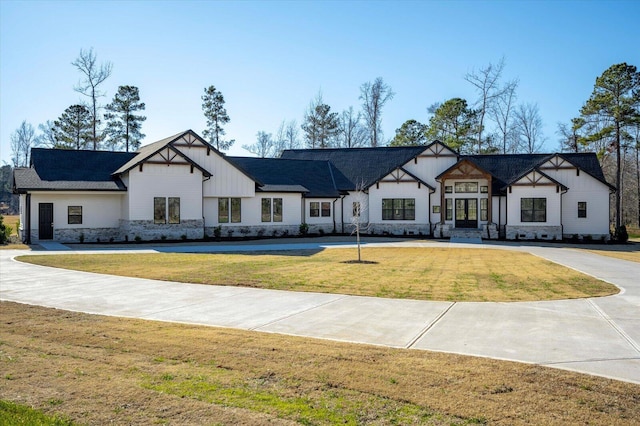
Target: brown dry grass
column 100, row 370
column 408, row 273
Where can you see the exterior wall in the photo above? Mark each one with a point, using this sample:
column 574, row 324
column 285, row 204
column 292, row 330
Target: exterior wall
column 251, row 216
column 326, row 224
column 164, row 181
column 100, row 215
column 419, row 226
column 549, row 230
column 583, row 187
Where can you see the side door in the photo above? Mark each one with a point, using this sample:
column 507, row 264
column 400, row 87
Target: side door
column 45, row 221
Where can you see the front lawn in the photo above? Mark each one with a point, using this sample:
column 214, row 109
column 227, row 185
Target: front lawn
column 448, row 274
column 105, row 370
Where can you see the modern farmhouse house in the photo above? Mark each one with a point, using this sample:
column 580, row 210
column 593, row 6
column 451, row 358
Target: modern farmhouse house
column 182, row 187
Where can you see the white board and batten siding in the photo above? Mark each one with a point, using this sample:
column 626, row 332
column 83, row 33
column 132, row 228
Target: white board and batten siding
column 159, row 180
column 386, row 190
column 583, row 188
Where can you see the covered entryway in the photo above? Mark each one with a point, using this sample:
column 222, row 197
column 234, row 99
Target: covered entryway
column 45, row 221
column 466, row 213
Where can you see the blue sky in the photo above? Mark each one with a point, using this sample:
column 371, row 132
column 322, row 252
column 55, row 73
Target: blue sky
column 269, row 58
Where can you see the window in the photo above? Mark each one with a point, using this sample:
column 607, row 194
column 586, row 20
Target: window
column 448, row 189
column 159, row 210
column 466, row 187
column 229, row 208
column 223, row 210
column 174, row 209
column 74, row 215
column 267, row 204
column 484, row 208
column 582, row 209
column 277, row 209
column 356, row 209
column 448, row 209
column 314, row 209
column 436, row 209
column 533, row 209
column 484, row 189
column 326, row 209
column 236, row 213
column 266, row 209
column 398, row 209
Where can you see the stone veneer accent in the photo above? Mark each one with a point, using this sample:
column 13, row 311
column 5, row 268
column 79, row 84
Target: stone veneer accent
column 147, row 230
column 528, row 232
column 268, row 230
column 398, row 229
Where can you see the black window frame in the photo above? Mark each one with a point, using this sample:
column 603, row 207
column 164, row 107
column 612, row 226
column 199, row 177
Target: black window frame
column 325, row 209
column 398, row 209
column 537, row 213
column 74, row 218
column 582, row 209
column 314, row 209
column 173, row 206
column 159, row 210
column 265, row 210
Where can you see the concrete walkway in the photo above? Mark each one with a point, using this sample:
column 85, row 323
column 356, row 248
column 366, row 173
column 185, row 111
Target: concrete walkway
column 599, row 336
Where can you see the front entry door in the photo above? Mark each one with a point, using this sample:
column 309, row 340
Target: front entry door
column 45, row 221
column 466, row 213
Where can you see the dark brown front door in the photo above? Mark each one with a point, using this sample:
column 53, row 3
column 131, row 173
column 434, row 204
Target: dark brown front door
column 45, row 221
column 466, row 213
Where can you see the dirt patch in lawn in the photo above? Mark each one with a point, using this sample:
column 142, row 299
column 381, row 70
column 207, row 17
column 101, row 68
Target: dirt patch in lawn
column 100, row 370
column 409, row 273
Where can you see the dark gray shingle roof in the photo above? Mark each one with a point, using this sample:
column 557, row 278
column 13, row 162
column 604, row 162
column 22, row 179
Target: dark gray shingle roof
column 315, row 178
column 360, row 165
column 71, row 170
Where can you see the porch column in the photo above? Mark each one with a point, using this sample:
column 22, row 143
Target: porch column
column 443, row 207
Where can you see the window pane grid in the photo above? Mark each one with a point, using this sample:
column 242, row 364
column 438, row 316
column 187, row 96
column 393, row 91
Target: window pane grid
column 398, row 209
column 533, row 210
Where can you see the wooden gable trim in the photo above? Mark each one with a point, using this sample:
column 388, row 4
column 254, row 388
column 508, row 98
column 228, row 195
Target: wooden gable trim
column 438, row 149
column 534, row 178
column 188, row 140
column 557, row 163
column 465, row 170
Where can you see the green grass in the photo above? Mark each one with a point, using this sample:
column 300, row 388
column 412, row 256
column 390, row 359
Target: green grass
column 17, row 415
column 404, row 273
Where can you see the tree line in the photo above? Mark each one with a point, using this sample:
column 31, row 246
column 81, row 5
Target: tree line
column 84, row 125
column 608, row 123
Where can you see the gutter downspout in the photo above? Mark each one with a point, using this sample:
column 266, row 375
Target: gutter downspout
column 342, row 213
column 334, row 215
column 204, row 225
column 28, row 219
column 561, row 204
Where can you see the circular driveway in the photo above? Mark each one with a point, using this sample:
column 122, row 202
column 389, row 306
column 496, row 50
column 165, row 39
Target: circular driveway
column 597, row 336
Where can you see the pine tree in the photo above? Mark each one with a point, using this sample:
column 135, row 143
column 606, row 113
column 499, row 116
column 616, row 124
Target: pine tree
column 616, row 101
column 73, row 129
column 123, row 125
column 216, row 115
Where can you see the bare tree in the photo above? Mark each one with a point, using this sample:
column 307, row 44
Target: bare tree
column 21, row 141
column 360, row 214
column 263, row 147
column 352, row 133
column 93, row 76
column 487, row 84
column 571, row 137
column 501, row 112
column 374, row 96
column 292, row 135
column 528, row 125
column 47, row 136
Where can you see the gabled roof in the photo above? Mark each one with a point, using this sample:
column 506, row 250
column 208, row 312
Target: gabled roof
column 508, row 168
column 148, row 151
column 314, row 178
column 361, row 166
column 71, row 170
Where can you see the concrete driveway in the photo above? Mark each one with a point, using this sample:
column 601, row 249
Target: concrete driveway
column 597, row 336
